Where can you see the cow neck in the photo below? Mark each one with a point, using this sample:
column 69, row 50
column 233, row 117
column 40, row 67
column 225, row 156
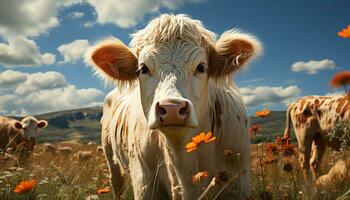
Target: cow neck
column 178, row 165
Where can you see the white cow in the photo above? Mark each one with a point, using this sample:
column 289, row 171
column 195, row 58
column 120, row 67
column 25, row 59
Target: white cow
column 174, row 81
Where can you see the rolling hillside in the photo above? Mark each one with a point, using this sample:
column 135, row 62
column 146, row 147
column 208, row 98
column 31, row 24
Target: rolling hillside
column 83, row 125
column 273, row 126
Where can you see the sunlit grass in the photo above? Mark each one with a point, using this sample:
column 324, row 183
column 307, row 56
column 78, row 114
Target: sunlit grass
column 60, row 177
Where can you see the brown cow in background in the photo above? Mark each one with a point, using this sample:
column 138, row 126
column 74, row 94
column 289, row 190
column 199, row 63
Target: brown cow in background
column 19, row 135
column 313, row 117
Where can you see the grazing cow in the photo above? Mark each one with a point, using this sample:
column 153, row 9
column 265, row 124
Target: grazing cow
column 65, row 151
column 313, row 117
column 174, row 81
column 50, row 148
column 84, row 156
column 99, row 150
column 14, row 132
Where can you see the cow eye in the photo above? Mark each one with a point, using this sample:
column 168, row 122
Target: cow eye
column 143, row 69
column 200, row 68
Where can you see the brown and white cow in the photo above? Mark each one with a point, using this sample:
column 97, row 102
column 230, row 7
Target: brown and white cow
column 313, row 117
column 14, row 132
column 19, row 136
column 174, row 81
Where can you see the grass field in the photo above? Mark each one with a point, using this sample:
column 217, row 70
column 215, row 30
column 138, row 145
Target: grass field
column 65, row 177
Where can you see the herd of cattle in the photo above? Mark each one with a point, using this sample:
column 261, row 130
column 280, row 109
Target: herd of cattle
column 173, row 82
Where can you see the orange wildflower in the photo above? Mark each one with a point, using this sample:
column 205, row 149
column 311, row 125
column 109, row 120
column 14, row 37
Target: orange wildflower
column 269, row 159
column 285, row 145
column 344, row 33
column 262, row 113
column 254, row 129
column 199, row 176
column 340, row 79
column 272, row 148
column 103, row 190
column 25, row 186
column 199, row 139
column 282, row 141
column 288, row 149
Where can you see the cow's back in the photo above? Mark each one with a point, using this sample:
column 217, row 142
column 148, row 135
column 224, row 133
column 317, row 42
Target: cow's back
column 326, row 111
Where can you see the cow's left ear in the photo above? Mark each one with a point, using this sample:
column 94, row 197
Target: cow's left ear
column 112, row 60
column 18, row 125
column 232, row 51
column 42, row 124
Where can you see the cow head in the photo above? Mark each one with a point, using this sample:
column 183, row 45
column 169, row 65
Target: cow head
column 173, row 60
column 29, row 125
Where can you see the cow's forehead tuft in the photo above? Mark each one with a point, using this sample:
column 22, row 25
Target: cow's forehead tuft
column 169, row 28
column 29, row 119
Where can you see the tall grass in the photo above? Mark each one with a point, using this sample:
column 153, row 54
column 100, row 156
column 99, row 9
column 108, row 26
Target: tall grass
column 274, row 176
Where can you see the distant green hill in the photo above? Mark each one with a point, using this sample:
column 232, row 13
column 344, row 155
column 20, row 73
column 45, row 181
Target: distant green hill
column 83, row 125
column 272, row 126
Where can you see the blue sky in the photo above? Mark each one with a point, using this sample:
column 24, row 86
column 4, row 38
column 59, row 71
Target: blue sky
column 292, row 33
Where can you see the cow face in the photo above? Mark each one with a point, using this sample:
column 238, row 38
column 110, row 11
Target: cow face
column 29, row 125
column 174, row 76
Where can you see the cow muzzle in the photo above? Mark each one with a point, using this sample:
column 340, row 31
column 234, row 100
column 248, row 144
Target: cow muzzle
column 174, row 112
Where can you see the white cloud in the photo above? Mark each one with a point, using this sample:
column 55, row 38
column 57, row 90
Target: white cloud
column 252, row 81
column 41, row 81
column 8, row 104
column 21, row 51
column 76, row 15
column 30, row 17
column 10, row 79
column 89, row 24
column 73, row 51
column 128, row 13
column 68, row 3
column 44, row 92
column 313, row 66
column 60, row 99
column 269, row 95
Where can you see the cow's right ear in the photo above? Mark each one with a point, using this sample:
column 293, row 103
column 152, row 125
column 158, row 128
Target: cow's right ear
column 232, row 52
column 113, row 60
column 42, row 124
column 18, row 125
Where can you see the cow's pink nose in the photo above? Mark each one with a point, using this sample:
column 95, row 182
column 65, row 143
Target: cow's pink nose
column 172, row 112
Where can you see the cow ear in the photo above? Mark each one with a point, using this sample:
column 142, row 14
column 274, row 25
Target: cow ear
column 113, row 60
column 232, row 51
column 18, row 125
column 42, row 124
